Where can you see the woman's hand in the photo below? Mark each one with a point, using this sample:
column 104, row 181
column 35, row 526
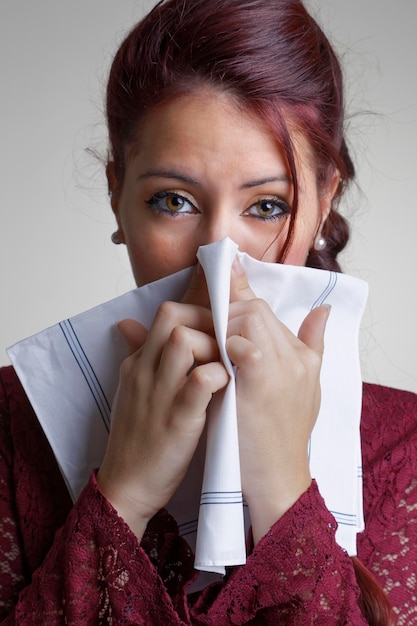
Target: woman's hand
column 159, row 410
column 278, row 399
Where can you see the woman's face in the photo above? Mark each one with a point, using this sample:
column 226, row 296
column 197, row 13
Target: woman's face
column 201, row 170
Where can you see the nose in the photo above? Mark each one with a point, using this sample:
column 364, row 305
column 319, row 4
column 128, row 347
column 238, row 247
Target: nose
column 216, row 225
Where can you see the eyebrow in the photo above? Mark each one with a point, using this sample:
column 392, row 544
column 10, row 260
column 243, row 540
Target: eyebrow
column 162, row 173
column 263, row 181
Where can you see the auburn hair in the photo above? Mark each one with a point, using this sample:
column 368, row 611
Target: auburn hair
column 275, row 61
column 269, row 54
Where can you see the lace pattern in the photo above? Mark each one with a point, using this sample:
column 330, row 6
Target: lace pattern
column 94, row 572
column 297, row 574
column 389, row 544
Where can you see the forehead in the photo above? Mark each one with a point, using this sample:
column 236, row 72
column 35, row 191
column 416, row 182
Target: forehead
column 201, row 116
column 212, row 124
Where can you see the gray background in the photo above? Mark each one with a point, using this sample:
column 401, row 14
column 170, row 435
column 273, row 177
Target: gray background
column 56, row 256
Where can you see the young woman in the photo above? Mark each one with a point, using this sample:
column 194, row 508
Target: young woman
column 225, row 118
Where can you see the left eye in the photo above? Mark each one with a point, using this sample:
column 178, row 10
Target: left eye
column 269, row 208
column 170, row 202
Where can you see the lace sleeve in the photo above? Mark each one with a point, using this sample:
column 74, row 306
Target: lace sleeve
column 11, row 559
column 96, row 573
column 92, row 571
column 297, row 574
column 388, row 547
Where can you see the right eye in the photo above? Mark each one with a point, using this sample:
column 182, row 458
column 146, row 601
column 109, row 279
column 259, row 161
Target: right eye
column 171, row 203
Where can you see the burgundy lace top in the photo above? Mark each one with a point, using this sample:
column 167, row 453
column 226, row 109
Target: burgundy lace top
column 64, row 564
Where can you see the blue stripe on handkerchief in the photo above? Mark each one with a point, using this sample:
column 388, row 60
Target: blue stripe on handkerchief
column 221, row 497
column 345, row 519
column 188, row 528
column 330, row 286
column 87, row 371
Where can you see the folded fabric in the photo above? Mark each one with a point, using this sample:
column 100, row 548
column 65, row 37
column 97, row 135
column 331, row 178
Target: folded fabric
column 70, row 374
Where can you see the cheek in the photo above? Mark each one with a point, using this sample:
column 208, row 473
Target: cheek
column 152, row 259
column 298, row 252
column 145, row 259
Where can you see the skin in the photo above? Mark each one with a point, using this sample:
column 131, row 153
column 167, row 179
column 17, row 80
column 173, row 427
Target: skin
column 202, row 169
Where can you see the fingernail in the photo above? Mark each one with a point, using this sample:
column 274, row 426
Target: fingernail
column 237, row 267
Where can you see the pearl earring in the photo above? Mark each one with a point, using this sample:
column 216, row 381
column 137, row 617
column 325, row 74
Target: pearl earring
column 116, row 238
column 319, row 243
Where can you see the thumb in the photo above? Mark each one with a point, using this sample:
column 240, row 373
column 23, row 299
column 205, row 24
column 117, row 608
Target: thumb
column 134, row 334
column 312, row 329
column 239, row 285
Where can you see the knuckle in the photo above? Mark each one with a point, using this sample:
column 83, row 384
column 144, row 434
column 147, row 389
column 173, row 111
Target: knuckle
column 300, row 370
column 167, row 309
column 200, row 378
column 204, row 379
column 253, row 357
column 126, row 367
column 179, row 336
column 258, row 306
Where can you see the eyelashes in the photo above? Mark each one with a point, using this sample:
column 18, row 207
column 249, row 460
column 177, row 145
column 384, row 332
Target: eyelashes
column 272, row 208
column 172, row 204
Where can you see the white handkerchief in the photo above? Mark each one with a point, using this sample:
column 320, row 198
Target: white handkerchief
column 70, row 374
column 221, row 496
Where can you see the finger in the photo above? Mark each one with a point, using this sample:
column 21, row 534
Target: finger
column 312, row 329
column 185, row 348
column 194, row 397
column 246, row 356
column 134, row 334
column 255, row 321
column 197, row 292
column 239, row 285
